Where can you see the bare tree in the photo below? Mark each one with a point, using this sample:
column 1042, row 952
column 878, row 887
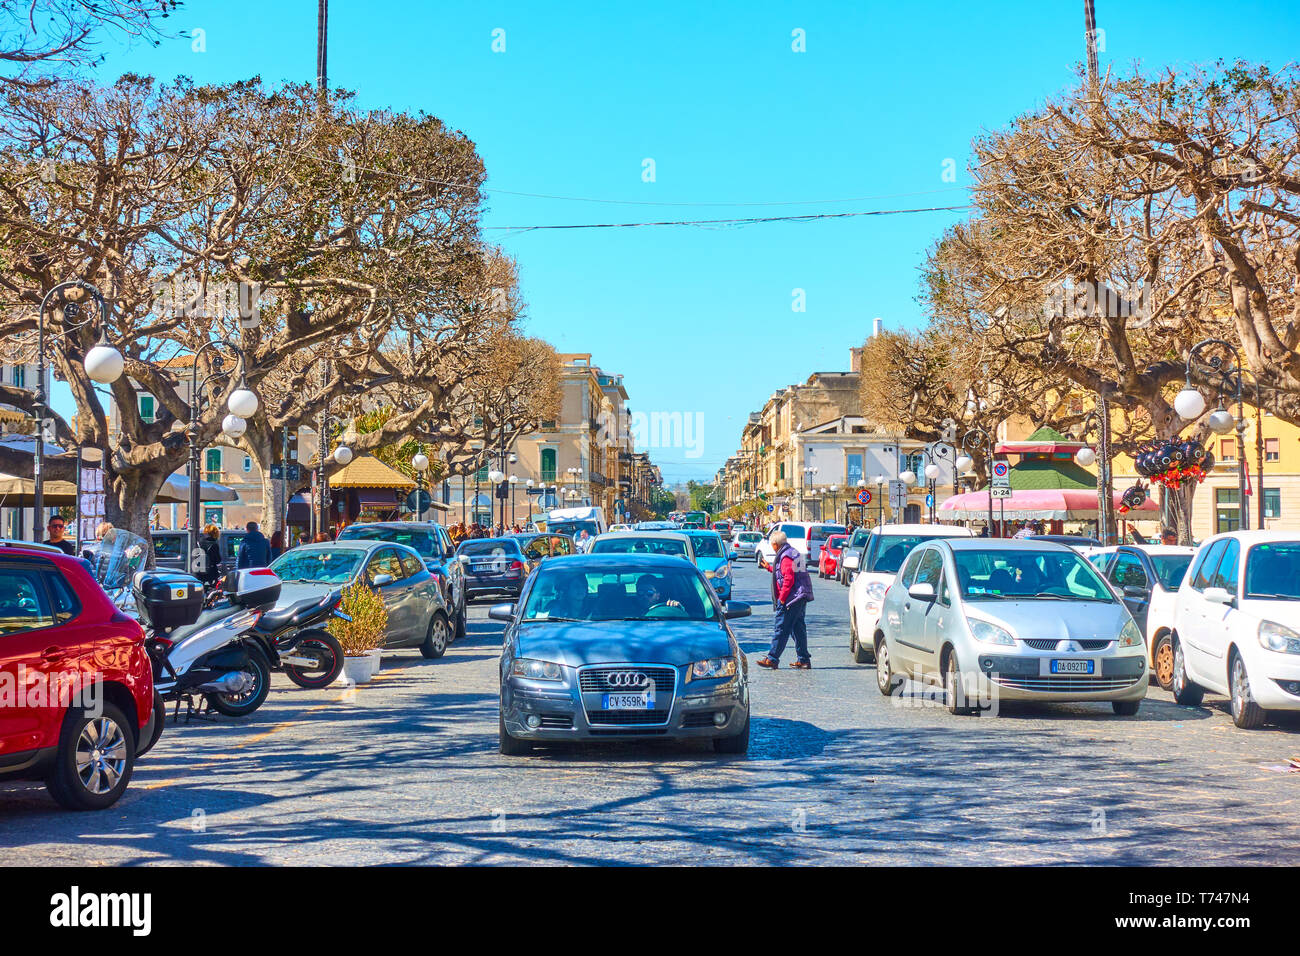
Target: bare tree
column 55, row 33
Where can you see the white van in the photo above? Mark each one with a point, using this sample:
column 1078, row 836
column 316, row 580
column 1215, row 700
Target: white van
column 574, row 521
column 806, row 537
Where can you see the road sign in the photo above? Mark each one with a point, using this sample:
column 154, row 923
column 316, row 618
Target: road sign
column 1001, row 492
column 1001, row 477
column 897, row 494
column 864, row 497
column 769, row 507
column 929, row 501
column 419, row 501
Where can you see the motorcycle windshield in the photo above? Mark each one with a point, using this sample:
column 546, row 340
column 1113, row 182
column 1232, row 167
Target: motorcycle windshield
column 119, row 556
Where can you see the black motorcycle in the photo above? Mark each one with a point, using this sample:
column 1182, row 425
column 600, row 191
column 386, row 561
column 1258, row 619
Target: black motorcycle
column 295, row 641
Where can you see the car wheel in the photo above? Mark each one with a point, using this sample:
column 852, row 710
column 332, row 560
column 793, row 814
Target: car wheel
column 510, row 746
column 1125, row 708
column 887, row 682
column 860, row 654
column 735, row 744
column 460, row 623
column 1246, row 714
column 954, row 694
column 94, row 761
column 435, row 641
column 1186, row 691
column 1163, row 662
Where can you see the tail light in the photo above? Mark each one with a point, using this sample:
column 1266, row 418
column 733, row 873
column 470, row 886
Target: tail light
column 516, row 565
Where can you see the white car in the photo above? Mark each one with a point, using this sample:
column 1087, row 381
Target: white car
column 1237, row 624
column 745, row 544
column 806, row 537
column 885, row 551
column 1147, row 577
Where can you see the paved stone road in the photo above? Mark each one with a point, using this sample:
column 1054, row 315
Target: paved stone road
column 408, row 772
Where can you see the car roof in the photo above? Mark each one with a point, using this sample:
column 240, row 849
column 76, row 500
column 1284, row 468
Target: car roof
column 666, row 535
column 12, row 546
column 1159, row 548
column 1255, row 536
column 393, row 524
column 512, row 538
column 936, row 530
column 620, row 559
column 1006, row 544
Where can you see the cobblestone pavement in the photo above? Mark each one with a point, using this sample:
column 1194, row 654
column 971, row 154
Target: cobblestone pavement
column 408, row 772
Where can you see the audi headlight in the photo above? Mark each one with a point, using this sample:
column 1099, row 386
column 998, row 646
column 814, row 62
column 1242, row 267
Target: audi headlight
column 1129, row 635
column 714, row 667
column 991, row 633
column 876, row 591
column 1275, row 637
column 536, row 670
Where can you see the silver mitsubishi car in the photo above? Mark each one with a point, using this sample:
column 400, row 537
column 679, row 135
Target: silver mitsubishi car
column 1008, row 620
column 612, row 646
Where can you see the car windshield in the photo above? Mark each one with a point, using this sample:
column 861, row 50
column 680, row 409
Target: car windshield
column 859, row 538
column 820, row 532
column 634, row 545
column 418, row 540
column 1170, row 569
column 892, row 550
column 494, row 547
column 616, row 594
column 836, row 541
column 1273, row 571
column 707, row 546
column 1029, row 575
column 328, row 565
column 573, row 529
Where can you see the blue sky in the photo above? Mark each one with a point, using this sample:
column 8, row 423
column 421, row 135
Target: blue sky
column 699, row 320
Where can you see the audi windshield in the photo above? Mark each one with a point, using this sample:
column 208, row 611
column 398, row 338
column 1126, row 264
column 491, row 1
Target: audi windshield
column 564, row 594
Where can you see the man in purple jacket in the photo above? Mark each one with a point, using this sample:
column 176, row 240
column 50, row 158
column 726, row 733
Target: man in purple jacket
column 791, row 592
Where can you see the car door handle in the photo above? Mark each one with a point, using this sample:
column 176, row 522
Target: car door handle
column 53, row 654
column 907, row 607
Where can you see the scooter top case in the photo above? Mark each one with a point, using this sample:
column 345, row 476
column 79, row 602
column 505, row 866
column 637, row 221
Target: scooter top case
column 252, row 588
column 167, row 599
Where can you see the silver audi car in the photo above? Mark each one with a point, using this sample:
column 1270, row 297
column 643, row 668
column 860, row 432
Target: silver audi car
column 998, row 620
column 613, row 646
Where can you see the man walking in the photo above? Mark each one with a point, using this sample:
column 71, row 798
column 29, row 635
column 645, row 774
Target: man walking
column 791, row 592
column 254, row 550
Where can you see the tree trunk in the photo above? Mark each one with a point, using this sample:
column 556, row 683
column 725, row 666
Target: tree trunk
column 130, row 498
column 261, row 442
column 1176, row 511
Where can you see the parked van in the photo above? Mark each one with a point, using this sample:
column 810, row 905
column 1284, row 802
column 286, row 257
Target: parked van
column 806, row 537
column 170, row 547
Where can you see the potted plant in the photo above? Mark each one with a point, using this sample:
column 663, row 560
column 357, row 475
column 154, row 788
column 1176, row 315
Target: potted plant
column 361, row 632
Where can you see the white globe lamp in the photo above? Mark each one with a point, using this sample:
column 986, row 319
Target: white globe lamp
column 1189, row 403
column 1221, row 421
column 233, row 426
column 243, row 403
column 342, row 454
column 104, row 364
column 1085, row 457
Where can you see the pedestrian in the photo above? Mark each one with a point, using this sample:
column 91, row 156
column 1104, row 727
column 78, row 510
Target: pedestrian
column 254, row 550
column 277, row 544
column 791, row 592
column 321, row 538
column 584, row 539
column 55, row 529
column 210, row 544
column 1168, row 536
column 92, row 549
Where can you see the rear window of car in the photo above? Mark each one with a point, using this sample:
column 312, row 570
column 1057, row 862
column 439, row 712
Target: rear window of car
column 836, row 541
column 168, row 546
column 496, row 547
column 820, row 532
column 633, row 545
column 749, row 537
column 795, row 531
column 418, row 539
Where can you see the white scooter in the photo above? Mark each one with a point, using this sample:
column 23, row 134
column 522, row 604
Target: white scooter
column 207, row 655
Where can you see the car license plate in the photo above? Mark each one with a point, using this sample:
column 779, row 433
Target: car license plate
column 642, row 701
column 1072, row 667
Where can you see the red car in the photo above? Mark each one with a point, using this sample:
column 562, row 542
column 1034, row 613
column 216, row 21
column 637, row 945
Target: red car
column 829, row 561
column 77, row 704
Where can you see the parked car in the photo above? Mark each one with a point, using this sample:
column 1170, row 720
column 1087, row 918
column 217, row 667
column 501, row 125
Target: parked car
column 170, row 549
column 1146, row 577
column 713, row 558
column 671, row 543
column 433, row 544
column 744, row 545
column 58, row 628
column 654, row 526
column 1000, row 620
column 851, row 554
column 723, row 528
column 886, row 549
column 613, row 646
column 1237, row 625
column 828, row 563
column 806, row 537
column 417, row 611
column 492, row 566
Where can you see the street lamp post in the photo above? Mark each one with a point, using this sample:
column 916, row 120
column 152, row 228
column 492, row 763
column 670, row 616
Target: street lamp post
column 514, row 480
column 976, row 438
column 935, row 452
column 420, row 462
column 103, row 364
column 242, row 405
column 1087, row 457
column 1189, row 404
column 880, row 499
